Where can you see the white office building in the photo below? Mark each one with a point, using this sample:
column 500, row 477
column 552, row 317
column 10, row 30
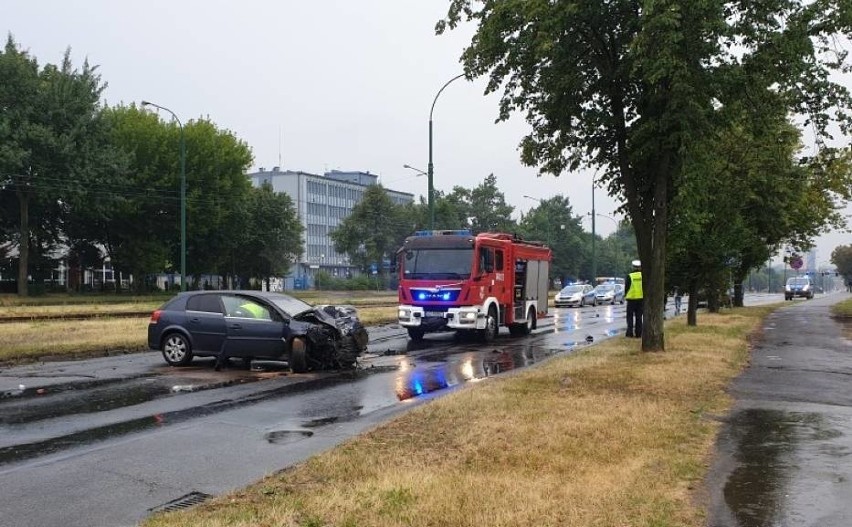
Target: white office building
column 322, row 202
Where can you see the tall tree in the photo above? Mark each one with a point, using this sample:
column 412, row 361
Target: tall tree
column 488, row 209
column 632, row 87
column 371, row 233
column 47, row 117
column 554, row 223
column 270, row 235
column 841, row 257
column 137, row 218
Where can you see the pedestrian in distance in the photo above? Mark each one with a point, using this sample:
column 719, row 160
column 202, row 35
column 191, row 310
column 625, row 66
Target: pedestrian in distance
column 635, row 300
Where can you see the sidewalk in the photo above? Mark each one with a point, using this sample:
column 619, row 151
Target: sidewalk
column 784, row 455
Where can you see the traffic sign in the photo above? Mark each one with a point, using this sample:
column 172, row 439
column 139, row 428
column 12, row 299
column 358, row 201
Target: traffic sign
column 796, row 262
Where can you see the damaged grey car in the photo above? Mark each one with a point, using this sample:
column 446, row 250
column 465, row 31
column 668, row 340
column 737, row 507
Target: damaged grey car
column 258, row 325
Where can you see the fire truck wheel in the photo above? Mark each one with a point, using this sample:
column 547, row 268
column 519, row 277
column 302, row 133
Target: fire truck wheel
column 415, row 334
column 491, row 328
column 519, row 330
column 532, row 321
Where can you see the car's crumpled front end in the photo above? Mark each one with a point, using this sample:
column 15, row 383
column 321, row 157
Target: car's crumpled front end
column 336, row 335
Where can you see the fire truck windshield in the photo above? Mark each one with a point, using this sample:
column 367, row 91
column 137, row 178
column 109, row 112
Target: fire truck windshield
column 437, row 264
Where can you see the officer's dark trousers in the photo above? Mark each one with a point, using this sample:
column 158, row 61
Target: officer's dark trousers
column 634, row 318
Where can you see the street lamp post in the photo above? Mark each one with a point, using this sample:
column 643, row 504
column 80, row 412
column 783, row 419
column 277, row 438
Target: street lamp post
column 594, row 235
column 547, row 231
column 617, row 226
column 430, row 167
column 182, row 194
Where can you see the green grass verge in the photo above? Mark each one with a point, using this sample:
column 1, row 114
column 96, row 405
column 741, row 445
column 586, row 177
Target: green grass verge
column 842, row 309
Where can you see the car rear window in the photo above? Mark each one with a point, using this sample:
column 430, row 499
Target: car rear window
column 206, row 303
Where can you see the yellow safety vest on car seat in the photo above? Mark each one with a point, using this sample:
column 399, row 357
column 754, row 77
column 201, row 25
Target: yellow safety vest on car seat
column 635, row 292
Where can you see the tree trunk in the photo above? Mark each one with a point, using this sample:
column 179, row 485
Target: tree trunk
column 653, row 278
column 650, row 224
column 692, row 305
column 713, row 303
column 738, row 294
column 24, row 245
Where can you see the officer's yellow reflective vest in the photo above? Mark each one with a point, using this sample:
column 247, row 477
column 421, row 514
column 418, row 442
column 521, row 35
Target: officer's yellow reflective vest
column 635, row 292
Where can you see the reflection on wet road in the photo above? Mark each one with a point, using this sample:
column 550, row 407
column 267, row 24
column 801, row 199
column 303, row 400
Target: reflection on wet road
column 758, row 488
column 784, row 455
column 40, row 421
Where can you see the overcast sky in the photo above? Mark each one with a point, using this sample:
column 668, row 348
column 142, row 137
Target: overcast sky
column 320, row 85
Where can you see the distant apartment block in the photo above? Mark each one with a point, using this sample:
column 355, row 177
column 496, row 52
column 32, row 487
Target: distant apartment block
column 322, row 202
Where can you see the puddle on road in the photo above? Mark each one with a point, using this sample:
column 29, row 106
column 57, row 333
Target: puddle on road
column 283, row 437
column 440, row 371
column 26, row 451
column 100, row 396
column 343, row 415
column 765, row 441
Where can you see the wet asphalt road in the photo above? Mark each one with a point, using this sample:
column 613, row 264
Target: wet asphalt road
column 784, row 455
column 104, row 442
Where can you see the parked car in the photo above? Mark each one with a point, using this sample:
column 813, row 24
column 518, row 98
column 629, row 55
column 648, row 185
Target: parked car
column 798, row 286
column 575, row 295
column 609, row 293
column 256, row 325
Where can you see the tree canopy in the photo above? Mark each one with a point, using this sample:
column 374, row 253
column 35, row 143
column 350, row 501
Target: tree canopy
column 49, row 120
column 633, row 88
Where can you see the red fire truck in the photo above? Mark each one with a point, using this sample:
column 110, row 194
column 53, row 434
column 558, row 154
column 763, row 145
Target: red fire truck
column 456, row 281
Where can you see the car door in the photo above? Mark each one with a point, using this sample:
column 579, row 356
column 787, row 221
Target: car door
column 254, row 329
column 205, row 321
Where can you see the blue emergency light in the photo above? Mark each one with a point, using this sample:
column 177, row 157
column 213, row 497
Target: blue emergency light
column 460, row 232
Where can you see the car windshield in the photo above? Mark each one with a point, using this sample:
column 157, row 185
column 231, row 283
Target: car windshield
column 571, row 289
column 605, row 288
column 291, row 306
column 798, row 281
column 437, row 264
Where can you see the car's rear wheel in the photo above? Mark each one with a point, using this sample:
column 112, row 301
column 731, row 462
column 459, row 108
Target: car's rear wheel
column 298, row 356
column 176, row 349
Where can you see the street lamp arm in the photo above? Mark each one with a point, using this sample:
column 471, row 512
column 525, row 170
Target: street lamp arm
column 431, row 167
column 147, row 103
column 459, row 76
column 419, row 172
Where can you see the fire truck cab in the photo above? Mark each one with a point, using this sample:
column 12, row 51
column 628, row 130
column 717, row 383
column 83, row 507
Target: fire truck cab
column 456, row 281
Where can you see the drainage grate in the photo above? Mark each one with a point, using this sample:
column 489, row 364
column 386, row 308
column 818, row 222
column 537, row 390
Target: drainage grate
column 184, row 502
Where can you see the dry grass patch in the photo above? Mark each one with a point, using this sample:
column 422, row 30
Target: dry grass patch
column 67, row 339
column 609, row 437
column 28, row 341
column 70, row 310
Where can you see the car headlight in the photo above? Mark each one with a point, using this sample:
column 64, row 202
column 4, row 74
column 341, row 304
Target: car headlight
column 404, row 313
column 468, row 315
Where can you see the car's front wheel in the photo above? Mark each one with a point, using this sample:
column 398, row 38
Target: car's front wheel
column 416, row 334
column 298, row 356
column 176, row 350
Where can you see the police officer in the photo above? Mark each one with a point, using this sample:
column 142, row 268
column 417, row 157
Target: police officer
column 634, row 297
